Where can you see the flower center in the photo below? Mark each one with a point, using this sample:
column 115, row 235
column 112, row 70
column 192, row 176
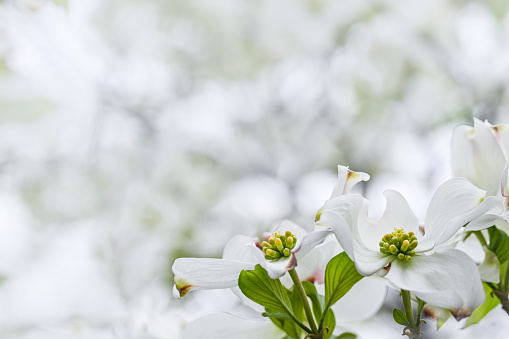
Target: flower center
column 399, row 243
column 279, row 245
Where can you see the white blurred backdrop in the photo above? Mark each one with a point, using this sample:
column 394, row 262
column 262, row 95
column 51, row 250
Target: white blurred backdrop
column 133, row 132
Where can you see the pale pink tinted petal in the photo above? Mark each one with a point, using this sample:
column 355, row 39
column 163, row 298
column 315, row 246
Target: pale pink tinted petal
column 504, row 184
column 449, row 210
column 206, row 273
column 226, row 326
column 448, row 279
column 346, row 180
column 477, row 156
column 362, row 301
column 237, row 249
column 502, row 134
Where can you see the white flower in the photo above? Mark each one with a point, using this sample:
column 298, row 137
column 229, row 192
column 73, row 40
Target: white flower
column 480, row 155
column 243, row 253
column 426, row 266
column 361, row 302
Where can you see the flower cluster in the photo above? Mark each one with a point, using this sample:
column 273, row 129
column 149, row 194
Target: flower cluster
column 422, row 262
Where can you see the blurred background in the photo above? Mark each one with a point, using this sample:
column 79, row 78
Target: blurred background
column 133, row 132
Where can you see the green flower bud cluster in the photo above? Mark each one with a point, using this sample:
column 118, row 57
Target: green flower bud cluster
column 399, row 243
column 279, row 245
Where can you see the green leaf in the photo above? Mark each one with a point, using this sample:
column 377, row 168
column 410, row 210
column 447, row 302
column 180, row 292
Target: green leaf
column 480, row 312
column 420, row 306
column 340, row 276
column 260, row 288
column 347, row 335
column 330, row 323
column 499, row 244
column 400, row 317
column 284, row 322
column 316, row 299
column 296, row 302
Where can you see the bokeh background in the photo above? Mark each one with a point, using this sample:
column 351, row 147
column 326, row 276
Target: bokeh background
column 133, row 132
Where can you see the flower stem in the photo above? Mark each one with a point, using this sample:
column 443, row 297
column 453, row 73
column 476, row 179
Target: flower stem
column 307, row 309
column 407, row 303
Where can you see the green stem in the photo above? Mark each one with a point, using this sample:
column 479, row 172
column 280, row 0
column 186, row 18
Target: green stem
column 307, row 309
column 481, row 239
column 407, row 302
column 506, row 282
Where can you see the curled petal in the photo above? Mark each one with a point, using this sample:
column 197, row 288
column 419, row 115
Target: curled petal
column 489, row 213
column 477, row 156
column 346, row 180
column 448, row 279
column 227, row 326
column 206, row 273
column 451, row 207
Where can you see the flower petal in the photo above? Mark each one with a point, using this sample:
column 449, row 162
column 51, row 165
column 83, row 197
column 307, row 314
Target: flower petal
column 448, row 279
column 206, row 273
column 367, row 261
column 477, row 156
column 489, row 213
column 449, row 210
column 287, row 225
column 362, row 301
column 236, row 249
column 397, row 215
column 346, row 180
column 227, row 326
column 341, row 214
column 310, row 241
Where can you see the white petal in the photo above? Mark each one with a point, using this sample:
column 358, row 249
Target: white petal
column 206, row 273
column 477, row 156
column 341, row 214
column 504, row 184
column 490, row 212
column 362, row 301
column 502, row 135
column 287, row 225
column 367, row 261
column 346, row 180
column 236, row 249
column 226, row 326
column 397, row 215
column 448, row 279
column 490, row 267
column 310, row 241
column 449, row 210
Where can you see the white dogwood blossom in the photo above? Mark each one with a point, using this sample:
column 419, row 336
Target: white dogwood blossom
column 424, row 265
column 480, row 154
column 243, row 253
